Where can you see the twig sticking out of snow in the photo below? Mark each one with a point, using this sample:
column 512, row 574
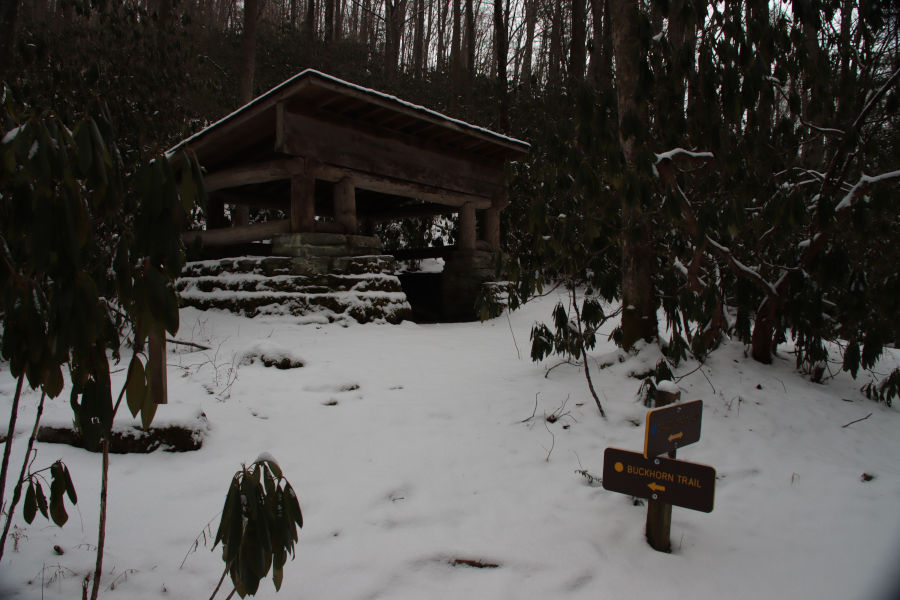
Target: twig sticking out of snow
column 856, row 421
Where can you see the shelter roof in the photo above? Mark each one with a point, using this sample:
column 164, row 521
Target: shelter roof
column 254, row 124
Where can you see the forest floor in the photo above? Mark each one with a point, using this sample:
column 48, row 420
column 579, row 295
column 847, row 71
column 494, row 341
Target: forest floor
column 439, row 461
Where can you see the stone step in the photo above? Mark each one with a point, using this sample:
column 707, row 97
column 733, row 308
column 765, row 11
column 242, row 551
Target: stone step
column 361, row 288
column 313, row 284
column 360, row 306
column 291, row 265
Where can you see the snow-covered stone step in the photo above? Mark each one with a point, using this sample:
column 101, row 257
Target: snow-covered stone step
column 361, row 288
column 360, row 306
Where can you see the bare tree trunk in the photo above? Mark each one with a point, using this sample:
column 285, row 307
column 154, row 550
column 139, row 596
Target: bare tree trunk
column 365, row 32
column 441, row 33
column 339, row 20
column 295, row 13
column 470, row 40
column 354, row 21
column 555, row 57
column 9, row 16
column 419, row 39
column 530, row 22
column 638, row 301
column 310, row 23
column 600, row 67
column 328, row 36
column 501, row 47
column 456, row 50
column 577, row 54
column 241, row 214
column 394, row 17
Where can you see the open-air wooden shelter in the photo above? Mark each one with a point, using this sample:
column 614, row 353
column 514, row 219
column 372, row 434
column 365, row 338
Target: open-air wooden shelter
column 338, row 158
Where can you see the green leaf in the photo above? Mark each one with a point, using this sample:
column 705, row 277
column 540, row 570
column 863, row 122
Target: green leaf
column 852, row 359
column 57, row 492
column 136, row 388
column 70, row 487
column 53, row 383
column 232, row 504
column 148, row 411
column 41, row 499
column 293, row 504
column 29, row 509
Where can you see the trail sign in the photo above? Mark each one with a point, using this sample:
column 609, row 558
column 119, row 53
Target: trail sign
column 672, row 427
column 670, row 481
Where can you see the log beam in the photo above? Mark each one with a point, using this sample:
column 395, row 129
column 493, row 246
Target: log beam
column 389, row 185
column 272, row 170
column 238, row 235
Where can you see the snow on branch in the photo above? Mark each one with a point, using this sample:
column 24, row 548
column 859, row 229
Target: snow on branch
column 864, row 181
column 875, row 98
column 741, row 267
column 674, row 152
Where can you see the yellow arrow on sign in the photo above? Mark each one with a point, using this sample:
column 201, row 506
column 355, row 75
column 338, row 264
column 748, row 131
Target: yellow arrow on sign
column 676, row 436
column 656, row 487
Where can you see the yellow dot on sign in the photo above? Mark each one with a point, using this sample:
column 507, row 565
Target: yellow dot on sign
column 619, row 467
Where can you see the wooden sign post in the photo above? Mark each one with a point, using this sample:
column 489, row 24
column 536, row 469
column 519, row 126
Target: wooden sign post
column 663, row 481
column 659, row 513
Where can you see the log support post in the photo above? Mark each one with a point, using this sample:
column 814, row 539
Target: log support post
column 240, row 215
column 467, row 230
column 345, row 205
column 303, row 207
column 491, row 228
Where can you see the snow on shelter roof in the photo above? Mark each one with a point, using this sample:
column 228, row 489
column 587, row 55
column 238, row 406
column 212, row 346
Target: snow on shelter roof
column 328, row 93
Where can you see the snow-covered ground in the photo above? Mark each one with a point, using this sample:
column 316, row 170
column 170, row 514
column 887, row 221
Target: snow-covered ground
column 411, row 447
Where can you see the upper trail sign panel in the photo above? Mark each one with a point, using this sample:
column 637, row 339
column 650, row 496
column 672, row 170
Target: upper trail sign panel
column 671, row 427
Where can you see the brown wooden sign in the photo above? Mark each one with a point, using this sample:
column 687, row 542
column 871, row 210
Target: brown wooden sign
column 671, row 481
column 671, row 427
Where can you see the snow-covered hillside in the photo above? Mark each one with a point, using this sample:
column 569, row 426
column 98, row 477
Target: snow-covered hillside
column 421, row 452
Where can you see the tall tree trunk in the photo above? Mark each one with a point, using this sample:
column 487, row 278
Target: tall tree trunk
column 470, row 40
column 456, row 63
column 598, row 24
column 295, row 13
column 241, row 214
column 9, row 16
column 530, row 22
column 555, row 57
column 394, row 16
column 441, row 33
column 365, row 32
column 419, row 39
column 310, row 22
column 354, row 21
column 638, row 299
column 248, row 50
column 328, row 36
column 501, row 47
column 577, row 53
column 339, row 11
